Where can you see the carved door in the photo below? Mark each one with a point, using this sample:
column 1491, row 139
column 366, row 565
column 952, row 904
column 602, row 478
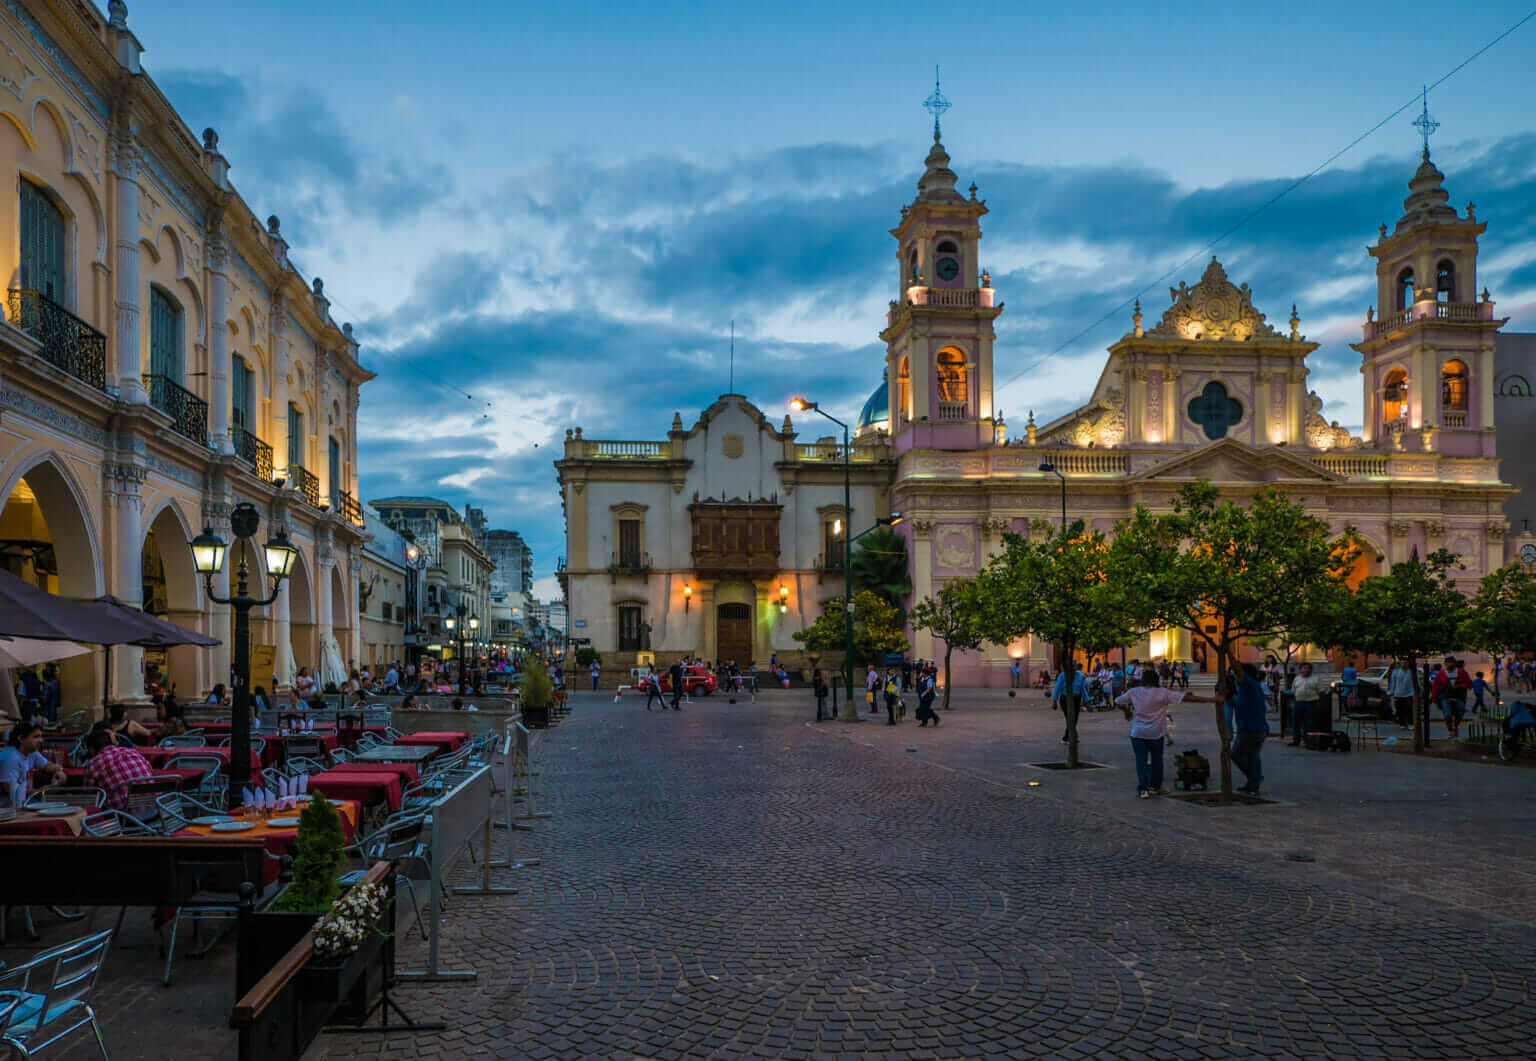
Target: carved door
column 733, row 633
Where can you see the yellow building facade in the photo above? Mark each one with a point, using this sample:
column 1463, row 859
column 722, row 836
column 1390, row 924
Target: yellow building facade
column 161, row 361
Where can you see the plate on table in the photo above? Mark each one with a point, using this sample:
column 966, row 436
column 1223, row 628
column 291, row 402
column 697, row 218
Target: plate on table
column 283, row 823
column 232, row 827
column 212, row 819
column 55, row 810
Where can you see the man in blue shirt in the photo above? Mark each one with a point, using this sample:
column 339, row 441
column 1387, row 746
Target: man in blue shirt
column 1249, row 727
column 1349, row 678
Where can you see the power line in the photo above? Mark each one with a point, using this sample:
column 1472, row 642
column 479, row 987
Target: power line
column 1287, row 190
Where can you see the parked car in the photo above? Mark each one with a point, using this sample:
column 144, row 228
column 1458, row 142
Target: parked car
column 697, row 680
column 1372, row 690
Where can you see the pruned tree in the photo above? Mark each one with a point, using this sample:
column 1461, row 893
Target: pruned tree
column 955, row 618
column 876, row 628
column 1502, row 617
column 1231, row 574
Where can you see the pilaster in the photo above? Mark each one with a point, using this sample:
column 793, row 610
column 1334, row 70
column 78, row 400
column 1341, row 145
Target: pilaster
column 218, row 345
column 125, row 171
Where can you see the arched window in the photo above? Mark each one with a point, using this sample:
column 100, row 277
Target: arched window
column 1445, row 282
column 42, row 244
column 912, row 266
column 1394, row 396
column 165, row 331
column 947, row 247
column 1453, row 386
column 904, row 388
column 950, row 372
column 1405, row 289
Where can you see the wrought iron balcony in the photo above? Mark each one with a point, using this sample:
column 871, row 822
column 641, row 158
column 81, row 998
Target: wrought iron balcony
column 68, row 342
column 627, row 562
column 188, row 412
column 347, row 505
column 831, row 561
column 253, row 451
column 306, row 483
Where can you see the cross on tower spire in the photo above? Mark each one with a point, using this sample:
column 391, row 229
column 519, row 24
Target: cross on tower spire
column 936, row 104
column 1424, row 123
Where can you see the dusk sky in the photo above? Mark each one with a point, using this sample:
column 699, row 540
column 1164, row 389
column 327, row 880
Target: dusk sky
column 558, row 209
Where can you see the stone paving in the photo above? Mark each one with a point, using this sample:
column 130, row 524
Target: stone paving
column 735, row 880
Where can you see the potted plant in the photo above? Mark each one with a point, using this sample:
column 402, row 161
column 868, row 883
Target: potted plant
column 537, row 697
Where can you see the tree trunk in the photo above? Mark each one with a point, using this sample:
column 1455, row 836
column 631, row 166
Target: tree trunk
column 947, row 650
column 1224, row 667
column 1420, row 714
column 1069, row 702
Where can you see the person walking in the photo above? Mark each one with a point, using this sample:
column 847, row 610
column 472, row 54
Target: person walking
column 871, row 683
column 1479, row 689
column 927, row 689
column 653, row 689
column 892, row 694
column 1308, row 693
column 1013, row 674
column 1349, row 683
column 820, row 689
column 675, row 672
column 1461, row 685
column 596, row 670
column 1251, row 727
column 1400, row 689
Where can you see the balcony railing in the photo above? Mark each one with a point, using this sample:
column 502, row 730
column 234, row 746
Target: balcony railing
column 347, row 505
column 305, row 482
column 626, row 562
column 830, row 561
column 1441, row 311
column 1454, row 418
column 253, row 451
column 953, row 411
column 188, row 412
column 1353, row 465
column 68, row 343
column 832, row 453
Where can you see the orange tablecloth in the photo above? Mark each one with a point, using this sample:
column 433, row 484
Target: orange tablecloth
column 281, row 840
column 30, row 823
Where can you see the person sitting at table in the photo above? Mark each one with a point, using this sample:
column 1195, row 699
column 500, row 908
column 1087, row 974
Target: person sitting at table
column 20, row 759
column 125, row 729
column 217, row 696
column 316, row 702
column 112, row 767
column 259, row 700
column 410, row 703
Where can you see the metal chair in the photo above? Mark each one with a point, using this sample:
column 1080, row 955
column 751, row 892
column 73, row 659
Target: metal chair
column 143, row 792
column 46, row 999
column 217, row 898
column 190, row 739
column 273, row 776
column 177, row 809
column 305, row 745
column 89, row 798
column 212, row 780
column 115, row 823
column 73, row 720
column 303, row 765
column 366, row 741
column 342, row 755
column 397, row 841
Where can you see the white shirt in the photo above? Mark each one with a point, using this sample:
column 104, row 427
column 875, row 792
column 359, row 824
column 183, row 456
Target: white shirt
column 1401, row 683
column 1149, row 709
column 391, row 678
column 1309, row 689
column 16, row 769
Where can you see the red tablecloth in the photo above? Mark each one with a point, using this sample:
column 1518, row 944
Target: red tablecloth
column 27, row 824
column 160, row 756
column 369, row 789
column 448, row 742
column 407, row 771
column 75, row 775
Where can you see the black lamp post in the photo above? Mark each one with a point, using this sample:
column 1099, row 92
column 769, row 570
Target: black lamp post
column 456, row 625
column 1047, row 466
column 208, row 551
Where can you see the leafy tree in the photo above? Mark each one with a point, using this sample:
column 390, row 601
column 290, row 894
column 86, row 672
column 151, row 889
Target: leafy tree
column 1231, row 574
column 586, row 655
column 1413, row 611
column 1062, row 589
column 879, row 564
column 876, row 628
column 1503, row 615
column 537, row 690
column 955, row 617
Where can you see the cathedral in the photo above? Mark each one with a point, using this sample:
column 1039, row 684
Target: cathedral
column 728, row 536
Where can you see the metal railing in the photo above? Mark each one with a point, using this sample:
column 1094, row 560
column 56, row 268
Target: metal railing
column 625, row 560
column 347, row 505
column 68, row 343
column 306, row 483
column 952, row 411
column 253, row 451
column 188, row 412
column 832, row 561
column 964, row 297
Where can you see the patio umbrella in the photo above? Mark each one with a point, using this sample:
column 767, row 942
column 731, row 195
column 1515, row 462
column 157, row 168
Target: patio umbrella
column 134, row 626
column 26, row 611
column 30, row 651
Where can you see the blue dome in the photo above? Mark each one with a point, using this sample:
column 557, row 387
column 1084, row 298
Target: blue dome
column 876, row 411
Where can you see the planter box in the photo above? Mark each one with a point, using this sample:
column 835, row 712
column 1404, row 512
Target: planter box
column 352, row 983
column 535, row 717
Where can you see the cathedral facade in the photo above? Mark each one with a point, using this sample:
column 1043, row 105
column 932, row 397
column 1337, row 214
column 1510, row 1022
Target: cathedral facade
column 1209, row 390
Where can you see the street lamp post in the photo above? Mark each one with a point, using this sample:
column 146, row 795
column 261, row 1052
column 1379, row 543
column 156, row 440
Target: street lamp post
column 456, row 624
column 1048, row 466
column 208, row 551
column 850, row 713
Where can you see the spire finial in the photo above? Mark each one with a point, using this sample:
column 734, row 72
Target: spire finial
column 936, row 104
column 1295, row 323
column 1136, row 318
column 1424, row 123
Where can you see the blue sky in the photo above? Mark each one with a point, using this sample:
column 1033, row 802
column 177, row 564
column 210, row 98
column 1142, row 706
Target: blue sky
column 558, row 209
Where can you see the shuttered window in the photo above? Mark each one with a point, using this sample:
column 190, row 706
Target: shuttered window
column 335, row 468
column 241, row 385
column 42, row 244
column 295, row 436
column 164, row 336
column 629, row 542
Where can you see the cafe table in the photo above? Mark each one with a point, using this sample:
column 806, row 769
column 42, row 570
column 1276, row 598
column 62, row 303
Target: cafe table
column 280, row 839
column 31, row 823
column 369, row 789
column 441, row 740
column 408, row 772
column 158, row 757
column 189, row 777
column 397, row 753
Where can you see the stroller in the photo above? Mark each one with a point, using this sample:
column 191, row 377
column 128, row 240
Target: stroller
column 1191, row 769
column 1517, row 723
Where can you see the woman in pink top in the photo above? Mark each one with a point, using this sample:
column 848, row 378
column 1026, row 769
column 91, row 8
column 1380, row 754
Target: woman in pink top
column 1146, row 706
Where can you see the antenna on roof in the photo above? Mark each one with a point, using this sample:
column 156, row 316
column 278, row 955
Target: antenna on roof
column 732, row 388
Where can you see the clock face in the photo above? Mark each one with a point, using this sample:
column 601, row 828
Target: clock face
column 947, row 268
column 1528, row 553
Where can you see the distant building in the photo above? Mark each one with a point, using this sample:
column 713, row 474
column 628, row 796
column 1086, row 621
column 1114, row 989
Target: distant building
column 1514, row 408
column 513, row 559
column 382, row 592
column 457, row 570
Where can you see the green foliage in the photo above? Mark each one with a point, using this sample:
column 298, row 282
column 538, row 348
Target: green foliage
column 1413, row 611
column 879, row 565
column 1233, row 574
column 586, row 655
column 321, row 853
column 1062, row 589
column 955, row 617
column 877, row 628
column 1503, row 615
column 537, row 690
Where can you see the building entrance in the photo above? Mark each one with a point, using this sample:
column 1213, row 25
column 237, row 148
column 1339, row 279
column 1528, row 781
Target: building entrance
column 733, row 633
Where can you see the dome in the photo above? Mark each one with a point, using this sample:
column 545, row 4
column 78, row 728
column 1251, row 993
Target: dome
column 876, row 413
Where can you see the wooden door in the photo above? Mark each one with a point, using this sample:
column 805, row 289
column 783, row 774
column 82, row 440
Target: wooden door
column 733, row 633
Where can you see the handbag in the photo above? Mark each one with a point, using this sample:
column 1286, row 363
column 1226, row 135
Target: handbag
column 869, row 696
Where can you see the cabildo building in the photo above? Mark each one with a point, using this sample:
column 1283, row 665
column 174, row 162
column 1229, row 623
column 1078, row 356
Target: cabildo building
column 685, row 545
column 161, row 361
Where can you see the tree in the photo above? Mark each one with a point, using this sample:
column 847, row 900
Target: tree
column 955, row 617
column 1231, row 574
column 1413, row 611
column 1503, row 615
column 879, row 564
column 1060, row 589
column 876, row 628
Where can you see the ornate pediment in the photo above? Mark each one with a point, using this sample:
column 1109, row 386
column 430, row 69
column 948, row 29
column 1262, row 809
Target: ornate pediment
column 1215, row 308
column 1231, row 461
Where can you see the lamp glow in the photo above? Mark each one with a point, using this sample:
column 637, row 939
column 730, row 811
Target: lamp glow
column 281, row 555
column 208, row 551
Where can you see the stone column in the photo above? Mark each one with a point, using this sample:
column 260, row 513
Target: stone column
column 324, row 560
column 125, row 528
column 279, row 389
column 216, row 515
column 129, row 365
column 218, row 346
column 922, row 586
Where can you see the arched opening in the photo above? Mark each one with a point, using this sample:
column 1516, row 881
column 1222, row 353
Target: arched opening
column 301, row 616
column 171, row 592
column 1405, row 289
column 950, row 379
column 912, row 266
column 1445, row 282
column 45, row 538
column 1453, row 386
column 342, row 618
column 904, row 388
column 1394, row 396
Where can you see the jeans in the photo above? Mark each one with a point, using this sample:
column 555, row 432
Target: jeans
column 1302, row 714
column 1149, row 762
column 1246, row 746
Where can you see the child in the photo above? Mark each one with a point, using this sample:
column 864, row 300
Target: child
column 1478, row 686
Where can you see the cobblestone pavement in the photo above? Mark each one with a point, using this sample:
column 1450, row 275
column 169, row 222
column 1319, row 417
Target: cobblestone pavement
column 734, row 880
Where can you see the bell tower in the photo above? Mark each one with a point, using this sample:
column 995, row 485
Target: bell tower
column 1428, row 344
column 939, row 335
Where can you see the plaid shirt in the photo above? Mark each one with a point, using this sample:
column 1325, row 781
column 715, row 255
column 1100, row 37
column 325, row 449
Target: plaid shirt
column 112, row 768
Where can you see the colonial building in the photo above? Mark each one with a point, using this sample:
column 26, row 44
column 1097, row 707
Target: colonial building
column 453, row 569
column 381, row 592
column 161, row 360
